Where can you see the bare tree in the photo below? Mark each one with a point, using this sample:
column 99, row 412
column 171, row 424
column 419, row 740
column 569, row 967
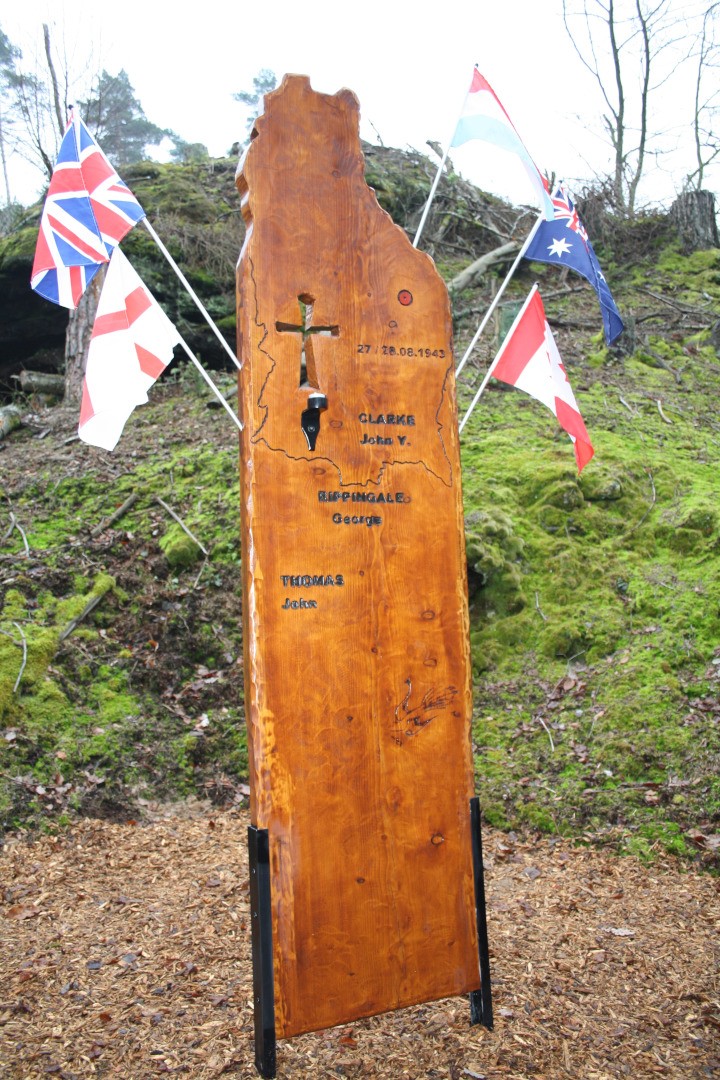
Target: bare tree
column 77, row 338
column 8, row 58
column 35, row 98
column 60, row 112
column 615, row 41
column 707, row 105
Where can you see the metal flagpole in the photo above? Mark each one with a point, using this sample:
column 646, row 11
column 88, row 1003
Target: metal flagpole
column 489, row 371
column 194, row 296
column 211, row 384
column 431, row 196
column 438, row 174
column 475, row 400
column 496, row 300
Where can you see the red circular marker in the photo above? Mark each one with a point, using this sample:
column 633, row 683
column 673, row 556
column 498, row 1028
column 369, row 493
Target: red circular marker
column 405, row 297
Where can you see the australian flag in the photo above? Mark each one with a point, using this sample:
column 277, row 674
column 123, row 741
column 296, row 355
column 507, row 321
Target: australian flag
column 88, row 210
column 565, row 242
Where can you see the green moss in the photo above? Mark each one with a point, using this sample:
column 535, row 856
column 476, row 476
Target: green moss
column 620, row 570
column 655, row 837
column 19, row 247
column 14, row 606
column 29, row 642
column 494, row 554
column 537, row 817
column 179, row 548
column 46, row 711
column 494, row 814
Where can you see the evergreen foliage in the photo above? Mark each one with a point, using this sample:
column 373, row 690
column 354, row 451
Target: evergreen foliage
column 263, row 83
column 117, row 120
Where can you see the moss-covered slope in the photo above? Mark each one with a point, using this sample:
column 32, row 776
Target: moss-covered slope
column 596, row 598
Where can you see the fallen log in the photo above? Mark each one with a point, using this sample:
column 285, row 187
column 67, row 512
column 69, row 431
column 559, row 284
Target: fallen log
column 472, row 273
column 41, row 382
column 9, row 420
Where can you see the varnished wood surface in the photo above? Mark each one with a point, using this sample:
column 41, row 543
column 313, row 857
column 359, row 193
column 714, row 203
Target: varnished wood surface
column 357, row 684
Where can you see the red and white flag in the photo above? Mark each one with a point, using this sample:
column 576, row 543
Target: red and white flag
column 132, row 343
column 529, row 359
column 484, row 118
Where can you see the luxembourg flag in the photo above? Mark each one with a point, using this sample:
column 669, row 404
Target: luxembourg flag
column 484, row 118
column 131, row 345
column 529, row 359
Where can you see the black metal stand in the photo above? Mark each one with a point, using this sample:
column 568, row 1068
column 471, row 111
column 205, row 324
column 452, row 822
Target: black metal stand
column 480, row 1000
column 262, row 955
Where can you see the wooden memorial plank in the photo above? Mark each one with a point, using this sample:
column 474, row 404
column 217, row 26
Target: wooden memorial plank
column 357, row 668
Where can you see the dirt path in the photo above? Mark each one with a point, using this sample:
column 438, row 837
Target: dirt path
column 124, row 952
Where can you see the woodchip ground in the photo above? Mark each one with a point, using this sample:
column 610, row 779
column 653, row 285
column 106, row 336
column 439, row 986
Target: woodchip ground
column 125, row 952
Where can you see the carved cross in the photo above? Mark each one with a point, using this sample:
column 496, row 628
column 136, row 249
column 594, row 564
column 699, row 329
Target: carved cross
column 308, row 374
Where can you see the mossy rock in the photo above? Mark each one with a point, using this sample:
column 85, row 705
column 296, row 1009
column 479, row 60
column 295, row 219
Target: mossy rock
column 685, row 540
column 565, row 495
column 568, row 637
column 703, row 518
column 494, row 555
column 179, row 549
column 554, row 520
column 483, row 651
column 691, row 529
column 600, row 486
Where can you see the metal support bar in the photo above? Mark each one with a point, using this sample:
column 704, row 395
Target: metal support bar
column 262, row 955
column 480, row 1000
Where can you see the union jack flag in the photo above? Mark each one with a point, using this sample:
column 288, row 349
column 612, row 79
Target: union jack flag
column 565, row 210
column 565, row 241
column 87, row 212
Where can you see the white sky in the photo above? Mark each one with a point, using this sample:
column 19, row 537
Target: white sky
column 409, row 64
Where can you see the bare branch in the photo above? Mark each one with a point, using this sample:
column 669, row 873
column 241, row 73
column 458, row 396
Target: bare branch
column 23, row 644
column 181, row 523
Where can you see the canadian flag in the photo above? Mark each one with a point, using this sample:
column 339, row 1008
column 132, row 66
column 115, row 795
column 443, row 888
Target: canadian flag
column 131, row 345
column 529, row 359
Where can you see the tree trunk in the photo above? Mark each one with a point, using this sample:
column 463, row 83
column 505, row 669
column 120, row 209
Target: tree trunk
column 3, row 158
column 693, row 214
column 715, row 337
column 77, row 338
